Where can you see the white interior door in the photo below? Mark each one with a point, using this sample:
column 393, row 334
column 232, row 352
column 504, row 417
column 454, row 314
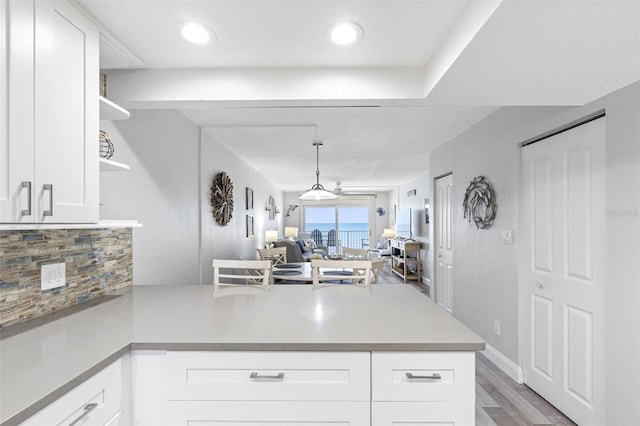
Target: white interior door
column 563, row 288
column 443, row 240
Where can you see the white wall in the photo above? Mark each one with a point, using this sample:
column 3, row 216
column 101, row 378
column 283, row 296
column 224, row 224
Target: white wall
column 486, row 271
column 160, row 191
column 231, row 242
column 167, row 190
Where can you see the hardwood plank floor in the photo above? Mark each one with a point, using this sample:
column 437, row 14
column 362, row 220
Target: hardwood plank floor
column 500, row 401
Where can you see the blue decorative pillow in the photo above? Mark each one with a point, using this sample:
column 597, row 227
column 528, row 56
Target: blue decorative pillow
column 301, row 244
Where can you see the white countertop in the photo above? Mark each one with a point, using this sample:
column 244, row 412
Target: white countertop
column 36, row 366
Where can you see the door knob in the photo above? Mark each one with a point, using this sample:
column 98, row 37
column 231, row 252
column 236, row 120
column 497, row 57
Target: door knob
column 539, row 285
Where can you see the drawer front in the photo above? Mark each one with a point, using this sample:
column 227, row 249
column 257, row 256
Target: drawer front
column 275, row 413
column 251, row 376
column 422, row 413
column 95, row 401
column 423, row 376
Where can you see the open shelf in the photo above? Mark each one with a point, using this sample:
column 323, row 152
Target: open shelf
column 112, row 166
column 112, row 111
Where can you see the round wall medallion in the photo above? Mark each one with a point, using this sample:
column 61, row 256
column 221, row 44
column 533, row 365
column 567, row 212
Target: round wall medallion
column 480, row 203
column 222, row 199
column 380, row 211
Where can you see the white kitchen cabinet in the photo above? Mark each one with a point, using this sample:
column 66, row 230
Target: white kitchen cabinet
column 16, row 109
column 175, row 388
column 96, row 401
column 347, row 388
column 422, row 388
column 50, row 149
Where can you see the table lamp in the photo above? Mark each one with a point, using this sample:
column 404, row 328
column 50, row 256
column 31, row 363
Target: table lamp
column 388, row 233
column 291, row 232
column 271, row 237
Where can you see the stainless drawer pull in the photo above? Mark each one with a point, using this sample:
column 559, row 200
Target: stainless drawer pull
column 87, row 409
column 255, row 375
column 434, row 376
column 48, row 187
column 27, row 185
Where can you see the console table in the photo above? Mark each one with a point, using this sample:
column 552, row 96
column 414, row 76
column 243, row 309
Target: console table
column 405, row 259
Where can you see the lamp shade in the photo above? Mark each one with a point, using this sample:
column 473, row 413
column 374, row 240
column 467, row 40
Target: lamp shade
column 290, row 231
column 271, row 236
column 318, row 194
column 388, row 233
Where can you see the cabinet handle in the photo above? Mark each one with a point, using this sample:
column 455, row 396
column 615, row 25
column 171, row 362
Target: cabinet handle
column 434, row 376
column 87, row 409
column 255, row 375
column 48, row 187
column 27, row 185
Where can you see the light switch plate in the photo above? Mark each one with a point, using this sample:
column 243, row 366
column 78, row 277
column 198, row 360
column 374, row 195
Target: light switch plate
column 52, row 276
column 506, row 236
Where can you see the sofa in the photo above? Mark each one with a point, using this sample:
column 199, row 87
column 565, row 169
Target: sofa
column 301, row 250
column 294, row 252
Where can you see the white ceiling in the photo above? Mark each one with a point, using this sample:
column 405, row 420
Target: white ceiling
column 424, row 72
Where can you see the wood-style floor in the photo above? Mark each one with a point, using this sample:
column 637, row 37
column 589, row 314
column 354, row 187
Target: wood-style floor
column 500, row 401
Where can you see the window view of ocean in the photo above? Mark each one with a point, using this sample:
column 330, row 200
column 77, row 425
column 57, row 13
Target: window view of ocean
column 355, row 235
column 326, row 227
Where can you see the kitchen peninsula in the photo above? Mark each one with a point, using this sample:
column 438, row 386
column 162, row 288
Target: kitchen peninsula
column 342, row 353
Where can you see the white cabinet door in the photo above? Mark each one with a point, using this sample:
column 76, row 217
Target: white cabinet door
column 97, row 401
column 16, row 112
column 66, row 114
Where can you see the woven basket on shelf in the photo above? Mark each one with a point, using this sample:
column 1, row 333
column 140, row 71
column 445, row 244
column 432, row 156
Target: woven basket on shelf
column 106, row 147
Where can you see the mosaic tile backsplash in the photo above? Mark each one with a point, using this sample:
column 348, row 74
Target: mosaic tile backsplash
column 98, row 261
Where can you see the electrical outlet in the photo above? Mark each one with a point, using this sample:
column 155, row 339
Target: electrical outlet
column 496, row 327
column 52, row 275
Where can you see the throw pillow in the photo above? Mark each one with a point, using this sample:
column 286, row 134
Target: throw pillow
column 310, row 244
column 301, row 245
column 382, row 245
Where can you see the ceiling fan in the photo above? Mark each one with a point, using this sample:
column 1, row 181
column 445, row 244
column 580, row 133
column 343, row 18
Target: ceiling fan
column 338, row 190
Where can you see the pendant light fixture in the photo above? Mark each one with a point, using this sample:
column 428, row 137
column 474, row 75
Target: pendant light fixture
column 317, row 191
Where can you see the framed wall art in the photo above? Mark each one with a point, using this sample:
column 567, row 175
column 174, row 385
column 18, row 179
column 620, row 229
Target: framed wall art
column 249, row 198
column 249, row 226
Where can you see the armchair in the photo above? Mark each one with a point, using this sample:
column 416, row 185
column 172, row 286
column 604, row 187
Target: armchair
column 310, row 245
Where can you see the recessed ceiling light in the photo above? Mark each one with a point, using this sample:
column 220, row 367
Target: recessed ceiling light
column 345, row 33
column 196, row 33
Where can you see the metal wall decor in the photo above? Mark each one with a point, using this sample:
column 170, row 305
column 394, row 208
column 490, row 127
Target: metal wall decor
column 222, row 199
column 480, row 203
column 271, row 208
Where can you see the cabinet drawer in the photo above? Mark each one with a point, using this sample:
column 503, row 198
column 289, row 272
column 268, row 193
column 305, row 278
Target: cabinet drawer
column 250, row 376
column 422, row 413
column 276, row 413
column 97, row 401
column 423, row 376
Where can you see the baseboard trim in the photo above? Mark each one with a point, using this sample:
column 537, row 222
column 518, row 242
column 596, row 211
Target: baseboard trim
column 509, row 367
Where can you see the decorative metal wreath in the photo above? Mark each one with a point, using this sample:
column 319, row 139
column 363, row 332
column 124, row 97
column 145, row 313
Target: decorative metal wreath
column 480, row 203
column 222, row 199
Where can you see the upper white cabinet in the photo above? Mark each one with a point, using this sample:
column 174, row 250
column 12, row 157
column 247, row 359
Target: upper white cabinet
column 51, row 147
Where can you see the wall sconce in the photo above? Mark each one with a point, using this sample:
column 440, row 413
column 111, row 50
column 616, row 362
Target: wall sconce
column 291, row 232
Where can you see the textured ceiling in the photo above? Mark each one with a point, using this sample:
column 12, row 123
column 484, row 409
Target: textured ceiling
column 424, row 72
